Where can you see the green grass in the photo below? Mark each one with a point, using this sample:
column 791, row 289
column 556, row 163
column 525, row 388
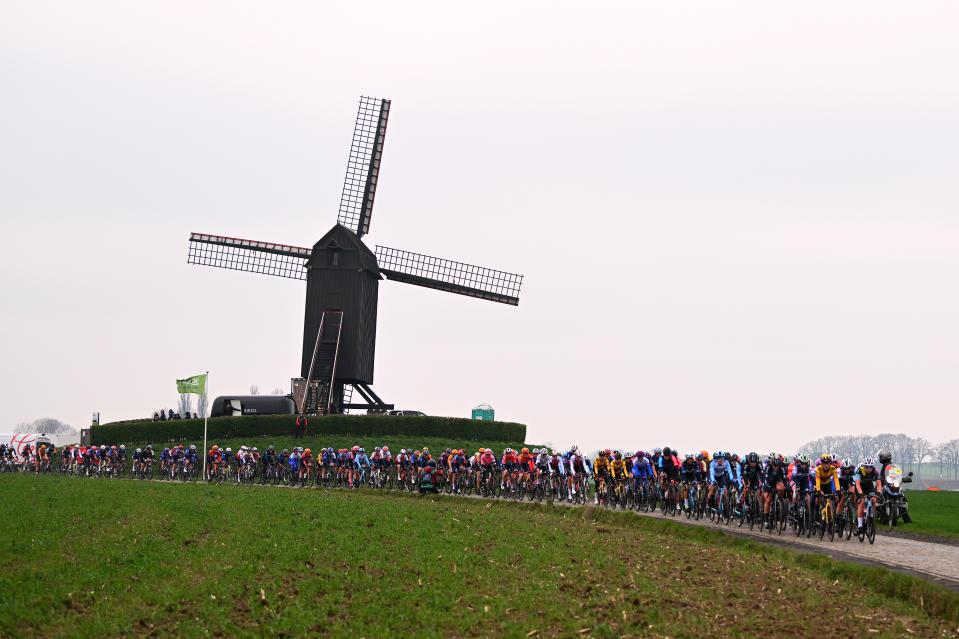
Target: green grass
column 395, row 442
column 109, row 558
column 933, row 512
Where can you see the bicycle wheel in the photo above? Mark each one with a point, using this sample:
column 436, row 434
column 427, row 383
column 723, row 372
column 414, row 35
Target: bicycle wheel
column 831, row 520
column 870, row 528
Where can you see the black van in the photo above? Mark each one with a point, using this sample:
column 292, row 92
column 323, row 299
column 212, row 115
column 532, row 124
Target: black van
column 228, row 405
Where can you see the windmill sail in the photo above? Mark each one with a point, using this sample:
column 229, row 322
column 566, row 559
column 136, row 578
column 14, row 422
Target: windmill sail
column 363, row 167
column 234, row 253
column 447, row 275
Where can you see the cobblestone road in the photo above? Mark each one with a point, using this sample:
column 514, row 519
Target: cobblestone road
column 937, row 561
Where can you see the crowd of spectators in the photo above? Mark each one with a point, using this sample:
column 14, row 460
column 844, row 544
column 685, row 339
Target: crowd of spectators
column 168, row 414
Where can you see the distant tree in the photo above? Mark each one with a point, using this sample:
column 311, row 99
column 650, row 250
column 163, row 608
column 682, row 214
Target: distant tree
column 921, row 449
column 949, row 452
column 48, row 425
column 254, row 389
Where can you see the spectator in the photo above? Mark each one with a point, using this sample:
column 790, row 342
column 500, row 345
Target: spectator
column 169, row 413
column 194, row 415
column 162, row 415
column 156, row 416
column 301, row 424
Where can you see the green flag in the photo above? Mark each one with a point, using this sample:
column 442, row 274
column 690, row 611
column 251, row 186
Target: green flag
column 195, row 384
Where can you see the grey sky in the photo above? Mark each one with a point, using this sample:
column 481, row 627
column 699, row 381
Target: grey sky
column 738, row 227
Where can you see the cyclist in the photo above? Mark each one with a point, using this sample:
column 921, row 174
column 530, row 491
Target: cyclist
column 800, row 478
column 774, row 481
column 295, row 462
column 689, row 474
column 617, row 467
column 719, row 475
column 578, row 465
column 827, row 479
column 556, row 465
column 847, row 483
column 214, row 460
column 601, row 470
column 668, row 466
column 362, row 464
column 751, row 475
column 868, row 485
column 507, row 463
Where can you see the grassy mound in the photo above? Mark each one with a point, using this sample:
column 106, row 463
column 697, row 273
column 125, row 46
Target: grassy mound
column 145, row 432
column 111, row 558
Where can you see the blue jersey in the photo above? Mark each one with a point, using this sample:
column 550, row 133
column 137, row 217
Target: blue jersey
column 642, row 468
column 361, row 460
column 719, row 470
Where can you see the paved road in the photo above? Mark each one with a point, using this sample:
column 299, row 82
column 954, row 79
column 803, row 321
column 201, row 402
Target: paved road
column 938, row 562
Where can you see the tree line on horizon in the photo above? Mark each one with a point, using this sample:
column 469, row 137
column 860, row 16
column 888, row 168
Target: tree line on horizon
column 910, row 453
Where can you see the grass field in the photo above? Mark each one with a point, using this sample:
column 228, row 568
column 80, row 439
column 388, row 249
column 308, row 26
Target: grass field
column 933, row 513
column 111, row 558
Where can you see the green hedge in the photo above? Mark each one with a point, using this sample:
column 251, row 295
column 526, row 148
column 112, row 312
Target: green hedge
column 139, row 432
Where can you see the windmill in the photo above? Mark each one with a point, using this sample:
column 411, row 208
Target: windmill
column 342, row 279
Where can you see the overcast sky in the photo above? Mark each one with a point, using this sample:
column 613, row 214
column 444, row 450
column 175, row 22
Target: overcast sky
column 737, row 222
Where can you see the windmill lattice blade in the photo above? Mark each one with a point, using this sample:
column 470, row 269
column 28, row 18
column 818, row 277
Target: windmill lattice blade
column 280, row 260
column 363, row 167
column 447, row 275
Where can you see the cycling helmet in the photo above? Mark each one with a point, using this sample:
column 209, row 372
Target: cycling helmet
column 307, row 451
column 356, row 449
column 103, row 447
column 752, row 458
column 717, row 454
column 689, row 456
column 885, row 457
column 425, row 450
column 138, row 450
column 229, row 450
column 667, row 451
column 286, row 452
column 802, row 459
column 386, row 449
column 489, row 451
column 270, row 448
column 192, row 446
column 609, row 453
column 869, row 462
column 363, row 450
column 166, row 450
column 602, row 453
column 525, row 451
column 122, row 447
column 728, row 455
column 773, row 456
column 507, row 451
column 215, row 447
column 826, row 458
column 619, row 455
column 846, row 463
column 149, row 446
column 255, row 449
